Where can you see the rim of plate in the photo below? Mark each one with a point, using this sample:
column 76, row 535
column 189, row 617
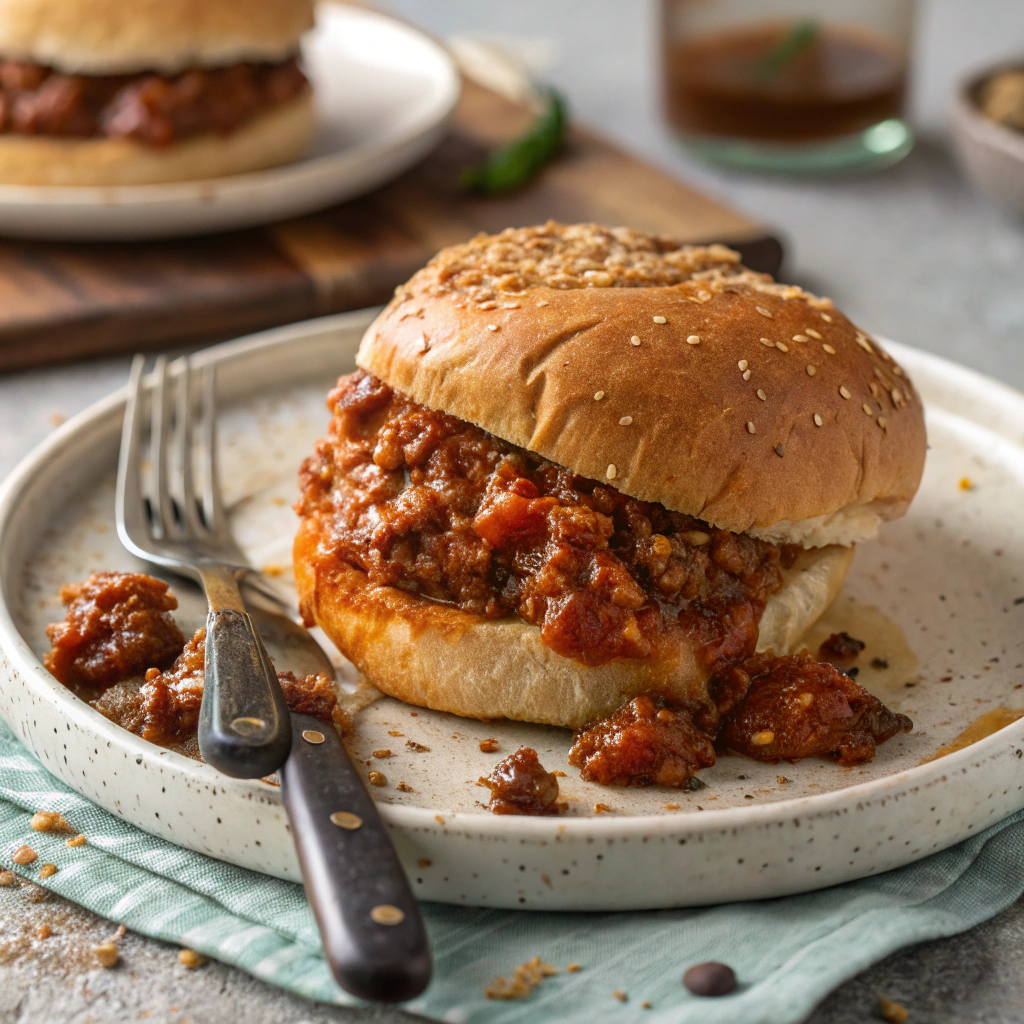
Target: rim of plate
column 412, row 128
column 553, row 828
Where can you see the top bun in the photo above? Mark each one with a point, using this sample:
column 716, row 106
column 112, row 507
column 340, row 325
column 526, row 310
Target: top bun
column 671, row 371
column 107, row 37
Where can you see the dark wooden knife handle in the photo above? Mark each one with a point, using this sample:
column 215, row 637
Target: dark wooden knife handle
column 369, row 920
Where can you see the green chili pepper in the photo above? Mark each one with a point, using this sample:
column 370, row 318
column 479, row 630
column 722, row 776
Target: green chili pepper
column 514, row 164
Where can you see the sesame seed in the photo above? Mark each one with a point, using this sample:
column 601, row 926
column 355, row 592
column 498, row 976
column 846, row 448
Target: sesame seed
column 659, row 320
column 780, row 451
column 897, row 396
column 611, row 472
column 492, row 327
column 829, row 349
column 801, row 338
column 510, row 305
column 598, row 395
column 693, row 339
column 743, row 364
column 543, row 302
column 844, row 391
column 873, row 388
column 817, row 420
column 825, row 317
column 768, row 342
column 634, row 340
column 867, row 409
column 782, row 346
column 863, row 342
column 882, row 422
column 762, row 395
column 625, row 421
column 746, row 374
column 763, row 311
column 488, row 305
column 751, row 429
column 812, row 333
column 811, row 370
column 897, row 371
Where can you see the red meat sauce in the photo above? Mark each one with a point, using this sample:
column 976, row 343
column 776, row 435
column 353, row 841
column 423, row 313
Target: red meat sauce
column 784, row 708
column 519, row 784
column 429, row 503
column 151, row 108
column 120, row 650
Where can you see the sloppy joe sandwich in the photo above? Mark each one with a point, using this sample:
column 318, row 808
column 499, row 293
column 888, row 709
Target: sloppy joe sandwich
column 97, row 92
column 595, row 479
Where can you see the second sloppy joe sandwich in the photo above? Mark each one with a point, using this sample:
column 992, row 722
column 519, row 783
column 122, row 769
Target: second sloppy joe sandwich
column 594, row 479
column 108, row 92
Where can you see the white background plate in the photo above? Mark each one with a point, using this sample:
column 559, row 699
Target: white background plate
column 384, row 94
column 949, row 574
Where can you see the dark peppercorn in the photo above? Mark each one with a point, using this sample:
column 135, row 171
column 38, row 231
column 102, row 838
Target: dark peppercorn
column 710, row 979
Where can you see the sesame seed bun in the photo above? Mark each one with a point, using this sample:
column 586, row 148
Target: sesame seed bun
column 438, row 656
column 106, row 37
column 275, row 137
column 672, row 372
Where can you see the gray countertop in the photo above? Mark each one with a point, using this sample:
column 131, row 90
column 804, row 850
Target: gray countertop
column 911, row 253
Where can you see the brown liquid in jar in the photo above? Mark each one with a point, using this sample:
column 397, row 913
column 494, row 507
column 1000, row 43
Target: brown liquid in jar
column 843, row 81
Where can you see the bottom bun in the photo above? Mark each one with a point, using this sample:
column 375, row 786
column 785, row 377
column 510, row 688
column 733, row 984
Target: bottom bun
column 440, row 657
column 280, row 135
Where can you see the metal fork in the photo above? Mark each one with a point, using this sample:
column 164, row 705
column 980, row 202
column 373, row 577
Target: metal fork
column 244, row 725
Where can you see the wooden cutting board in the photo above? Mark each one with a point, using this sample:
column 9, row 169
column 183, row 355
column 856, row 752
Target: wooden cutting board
column 64, row 301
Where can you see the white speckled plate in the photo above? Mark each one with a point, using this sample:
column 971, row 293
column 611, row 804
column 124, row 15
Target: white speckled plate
column 950, row 574
column 384, row 94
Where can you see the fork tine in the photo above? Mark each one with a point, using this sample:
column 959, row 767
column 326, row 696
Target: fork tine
column 213, row 500
column 130, row 508
column 164, row 510
column 192, row 522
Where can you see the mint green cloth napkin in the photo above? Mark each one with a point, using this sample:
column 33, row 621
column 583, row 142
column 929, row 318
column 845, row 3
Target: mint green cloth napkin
column 788, row 953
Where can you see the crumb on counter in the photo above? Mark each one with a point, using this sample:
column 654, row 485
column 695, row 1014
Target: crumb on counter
column 48, row 870
column 382, row 753
column 891, row 1012
column 24, row 855
column 8, row 879
column 273, row 570
column 417, row 748
column 620, row 995
column 191, row 959
column 489, row 746
column 106, row 954
column 78, row 840
column 404, row 787
column 377, row 779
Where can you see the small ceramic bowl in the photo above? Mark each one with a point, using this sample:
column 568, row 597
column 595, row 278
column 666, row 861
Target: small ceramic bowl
column 991, row 154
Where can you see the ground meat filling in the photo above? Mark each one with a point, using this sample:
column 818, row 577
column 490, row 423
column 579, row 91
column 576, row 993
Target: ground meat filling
column 154, row 109
column 119, row 649
column 117, row 625
column 643, row 743
column 434, row 505
column 797, row 707
column 520, row 785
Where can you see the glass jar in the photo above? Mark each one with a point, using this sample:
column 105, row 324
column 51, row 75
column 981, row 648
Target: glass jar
column 789, row 86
